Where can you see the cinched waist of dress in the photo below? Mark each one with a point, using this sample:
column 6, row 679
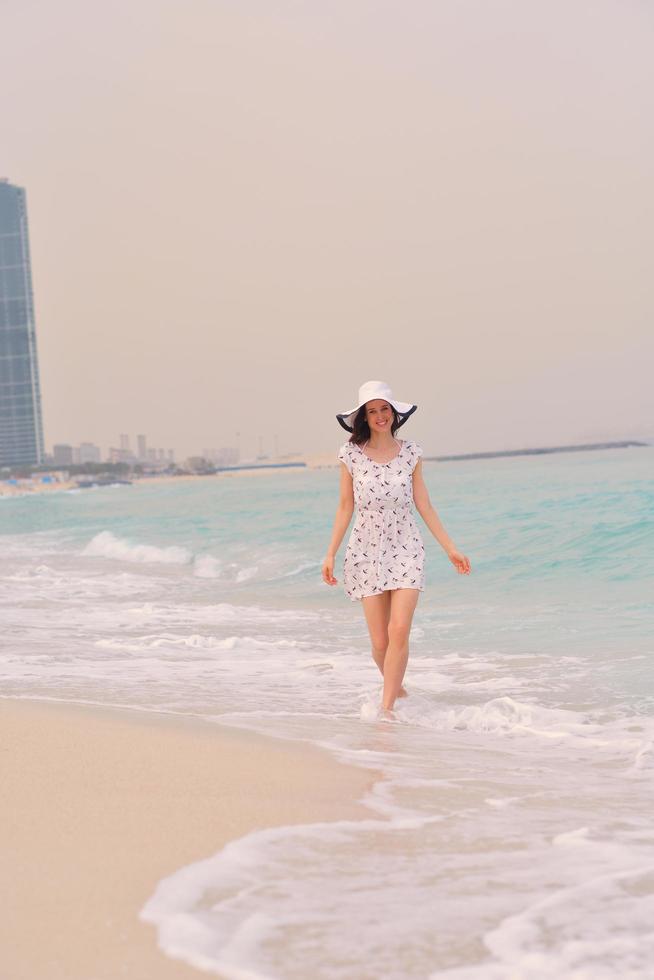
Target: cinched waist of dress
column 376, row 512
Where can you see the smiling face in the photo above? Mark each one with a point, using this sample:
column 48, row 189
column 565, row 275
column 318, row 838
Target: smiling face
column 379, row 415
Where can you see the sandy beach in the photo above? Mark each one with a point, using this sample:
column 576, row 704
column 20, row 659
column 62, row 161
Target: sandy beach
column 101, row 803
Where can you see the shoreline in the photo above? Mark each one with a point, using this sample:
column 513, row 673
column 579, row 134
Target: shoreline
column 104, row 802
column 36, row 489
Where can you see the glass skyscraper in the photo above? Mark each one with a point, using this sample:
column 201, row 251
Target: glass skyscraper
column 21, row 426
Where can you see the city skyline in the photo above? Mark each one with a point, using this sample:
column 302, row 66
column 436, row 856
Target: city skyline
column 142, row 451
column 89, row 452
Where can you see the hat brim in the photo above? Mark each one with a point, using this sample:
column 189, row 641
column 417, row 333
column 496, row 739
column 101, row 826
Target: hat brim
column 403, row 409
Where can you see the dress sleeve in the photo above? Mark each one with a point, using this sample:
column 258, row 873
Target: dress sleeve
column 345, row 455
column 416, row 453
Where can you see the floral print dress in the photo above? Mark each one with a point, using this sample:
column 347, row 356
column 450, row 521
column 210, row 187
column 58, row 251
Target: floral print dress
column 385, row 549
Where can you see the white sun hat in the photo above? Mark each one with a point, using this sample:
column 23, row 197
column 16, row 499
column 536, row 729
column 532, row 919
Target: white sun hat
column 367, row 393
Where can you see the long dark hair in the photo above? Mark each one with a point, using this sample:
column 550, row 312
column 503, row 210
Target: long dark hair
column 361, row 429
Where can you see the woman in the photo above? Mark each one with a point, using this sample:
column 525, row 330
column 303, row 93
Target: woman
column 384, row 559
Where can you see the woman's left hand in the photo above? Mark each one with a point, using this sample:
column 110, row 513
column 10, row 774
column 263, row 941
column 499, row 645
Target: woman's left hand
column 460, row 562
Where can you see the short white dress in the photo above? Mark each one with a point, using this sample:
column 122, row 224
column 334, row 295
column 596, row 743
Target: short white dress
column 385, row 549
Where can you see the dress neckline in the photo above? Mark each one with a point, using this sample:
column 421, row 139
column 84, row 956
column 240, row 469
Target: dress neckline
column 401, row 445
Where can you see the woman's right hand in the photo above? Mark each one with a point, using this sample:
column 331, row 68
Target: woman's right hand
column 328, row 571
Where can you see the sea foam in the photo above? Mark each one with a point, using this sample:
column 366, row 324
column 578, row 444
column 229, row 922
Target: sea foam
column 107, row 545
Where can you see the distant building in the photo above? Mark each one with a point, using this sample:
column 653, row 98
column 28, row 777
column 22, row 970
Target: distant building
column 62, row 454
column 227, row 456
column 21, row 424
column 123, row 454
column 197, row 464
column 89, row 453
column 118, row 455
column 171, row 455
column 141, row 447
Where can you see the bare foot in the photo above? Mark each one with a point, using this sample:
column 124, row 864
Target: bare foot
column 402, row 693
column 386, row 714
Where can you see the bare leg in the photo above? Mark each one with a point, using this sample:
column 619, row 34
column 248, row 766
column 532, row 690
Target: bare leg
column 377, row 609
column 403, row 604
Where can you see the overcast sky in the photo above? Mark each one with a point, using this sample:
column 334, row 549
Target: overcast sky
column 240, row 211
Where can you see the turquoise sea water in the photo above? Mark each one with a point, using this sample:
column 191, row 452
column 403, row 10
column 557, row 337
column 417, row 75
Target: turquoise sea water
column 510, row 835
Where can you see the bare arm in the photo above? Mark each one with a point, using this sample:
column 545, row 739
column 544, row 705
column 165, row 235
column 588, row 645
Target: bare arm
column 344, row 512
column 432, row 520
